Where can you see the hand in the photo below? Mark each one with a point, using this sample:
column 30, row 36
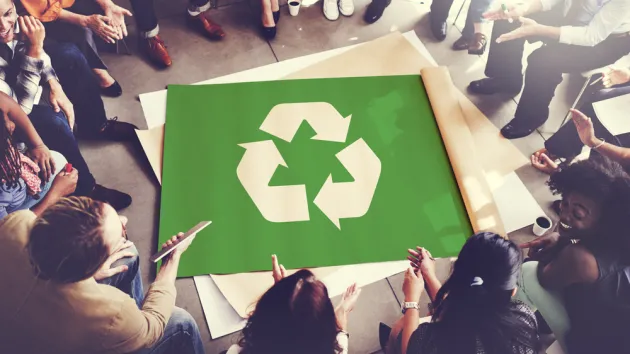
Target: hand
column 542, row 162
column 278, row 270
column 60, row 102
column 117, row 15
column 514, row 11
column 106, row 270
column 615, row 76
column 35, row 33
column 541, row 246
column 422, row 260
column 176, row 253
column 528, row 28
column 413, row 285
column 584, row 127
column 65, row 183
column 103, row 28
column 349, row 299
column 42, row 157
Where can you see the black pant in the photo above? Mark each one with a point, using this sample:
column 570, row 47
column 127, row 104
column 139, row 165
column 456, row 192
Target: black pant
column 545, row 65
column 144, row 13
column 81, row 87
column 566, row 142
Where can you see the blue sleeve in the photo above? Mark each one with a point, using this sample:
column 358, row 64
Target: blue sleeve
column 6, row 197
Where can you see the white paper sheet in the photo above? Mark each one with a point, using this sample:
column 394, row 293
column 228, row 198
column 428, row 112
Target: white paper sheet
column 221, row 317
column 555, row 348
column 516, row 205
column 362, row 274
column 613, row 114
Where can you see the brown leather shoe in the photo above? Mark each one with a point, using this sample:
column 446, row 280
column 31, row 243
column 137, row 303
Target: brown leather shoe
column 155, row 49
column 461, row 44
column 478, row 44
column 205, row 26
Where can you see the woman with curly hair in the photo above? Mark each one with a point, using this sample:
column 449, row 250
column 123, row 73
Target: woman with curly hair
column 580, row 277
column 296, row 316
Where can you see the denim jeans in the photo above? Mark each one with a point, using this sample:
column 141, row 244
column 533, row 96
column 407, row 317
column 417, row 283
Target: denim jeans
column 441, row 8
column 181, row 334
column 54, row 130
column 80, row 85
column 146, row 20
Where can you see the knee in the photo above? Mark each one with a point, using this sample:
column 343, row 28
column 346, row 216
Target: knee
column 529, row 275
column 132, row 262
column 184, row 322
column 540, row 60
column 66, row 54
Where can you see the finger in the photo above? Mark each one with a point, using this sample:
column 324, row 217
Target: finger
column 531, row 244
column 413, row 253
column 174, row 238
column 113, row 271
column 546, row 159
column 126, row 12
column 283, row 271
column 55, row 105
column 123, row 27
column 274, row 262
column 22, row 24
column 180, row 235
column 69, row 111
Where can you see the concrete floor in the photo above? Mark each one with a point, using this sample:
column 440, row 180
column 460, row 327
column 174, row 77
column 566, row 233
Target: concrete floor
column 195, row 59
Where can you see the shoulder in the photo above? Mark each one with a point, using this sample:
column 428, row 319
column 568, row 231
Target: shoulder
column 582, row 262
column 525, row 312
column 17, row 226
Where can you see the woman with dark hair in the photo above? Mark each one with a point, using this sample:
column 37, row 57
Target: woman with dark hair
column 580, row 277
column 22, row 183
column 296, row 316
column 473, row 312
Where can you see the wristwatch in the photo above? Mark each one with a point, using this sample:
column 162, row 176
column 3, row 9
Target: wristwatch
column 408, row 305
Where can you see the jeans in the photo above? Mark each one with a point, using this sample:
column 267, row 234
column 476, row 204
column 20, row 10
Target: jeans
column 476, row 9
column 181, row 334
column 54, row 130
column 545, row 65
column 30, row 201
column 146, row 20
column 566, row 142
column 549, row 304
column 80, row 85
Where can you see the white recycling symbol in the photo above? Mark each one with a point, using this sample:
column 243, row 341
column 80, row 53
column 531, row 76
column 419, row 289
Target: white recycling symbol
column 289, row 203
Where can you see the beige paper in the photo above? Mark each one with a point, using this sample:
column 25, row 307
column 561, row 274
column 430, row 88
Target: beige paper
column 152, row 142
column 386, row 56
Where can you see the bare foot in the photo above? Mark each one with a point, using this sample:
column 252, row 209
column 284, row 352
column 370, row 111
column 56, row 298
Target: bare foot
column 104, row 78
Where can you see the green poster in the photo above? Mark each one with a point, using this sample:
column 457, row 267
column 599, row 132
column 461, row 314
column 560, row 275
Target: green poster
column 320, row 172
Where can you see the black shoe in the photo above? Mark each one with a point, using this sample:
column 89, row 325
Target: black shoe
column 276, row 17
column 375, row 10
column 515, row 130
column 383, row 334
column 113, row 90
column 489, row 86
column 438, row 28
column 268, row 32
column 114, row 130
column 461, row 43
column 118, row 200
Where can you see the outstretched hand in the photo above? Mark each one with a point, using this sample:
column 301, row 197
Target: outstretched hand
column 278, row 269
column 542, row 162
column 584, row 127
column 528, row 28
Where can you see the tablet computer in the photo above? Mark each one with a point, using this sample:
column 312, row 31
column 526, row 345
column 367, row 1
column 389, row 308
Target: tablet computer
column 186, row 238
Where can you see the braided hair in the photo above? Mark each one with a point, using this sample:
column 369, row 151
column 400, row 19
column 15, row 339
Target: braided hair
column 10, row 163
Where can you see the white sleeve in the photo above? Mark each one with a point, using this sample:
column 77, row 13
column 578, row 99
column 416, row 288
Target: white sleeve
column 342, row 340
column 547, row 5
column 605, row 21
column 234, row 349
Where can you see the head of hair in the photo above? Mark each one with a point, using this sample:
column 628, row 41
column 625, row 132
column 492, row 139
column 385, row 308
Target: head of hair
column 482, row 312
column 10, row 163
column 605, row 182
column 294, row 315
column 66, row 243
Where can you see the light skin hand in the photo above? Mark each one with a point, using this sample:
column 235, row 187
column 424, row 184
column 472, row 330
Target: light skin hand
column 542, row 162
column 348, row 301
column 514, row 11
column 528, row 28
column 170, row 264
column 585, row 128
column 615, row 76
column 60, row 101
column 278, row 271
column 34, row 31
column 102, row 26
column 413, row 285
column 117, row 15
column 120, row 251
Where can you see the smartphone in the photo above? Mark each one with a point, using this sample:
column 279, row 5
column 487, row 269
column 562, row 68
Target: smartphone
column 188, row 235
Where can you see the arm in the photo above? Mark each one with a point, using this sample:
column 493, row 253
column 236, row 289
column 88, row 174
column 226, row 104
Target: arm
column 613, row 152
column 433, row 285
column 21, row 120
column 411, row 323
column 605, row 21
column 71, row 17
column 574, row 264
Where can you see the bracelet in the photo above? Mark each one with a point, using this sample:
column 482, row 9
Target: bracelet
column 599, row 145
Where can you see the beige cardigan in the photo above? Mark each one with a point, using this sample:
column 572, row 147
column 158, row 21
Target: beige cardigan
column 38, row 316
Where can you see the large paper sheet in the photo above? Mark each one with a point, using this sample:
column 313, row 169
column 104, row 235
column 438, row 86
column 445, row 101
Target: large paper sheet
column 155, row 138
column 508, row 190
column 613, row 114
column 221, row 317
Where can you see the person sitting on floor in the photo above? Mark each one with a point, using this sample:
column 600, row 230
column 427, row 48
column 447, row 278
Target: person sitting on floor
column 586, row 130
column 21, row 71
column 77, row 22
column 580, row 277
column 61, row 297
column 297, row 316
column 23, row 187
column 473, row 312
column 587, row 35
column 473, row 38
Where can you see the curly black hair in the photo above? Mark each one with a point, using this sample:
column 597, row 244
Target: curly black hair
column 605, row 182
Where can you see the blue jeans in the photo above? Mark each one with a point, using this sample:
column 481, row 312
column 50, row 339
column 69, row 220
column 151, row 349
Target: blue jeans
column 54, row 130
column 181, row 335
column 441, row 8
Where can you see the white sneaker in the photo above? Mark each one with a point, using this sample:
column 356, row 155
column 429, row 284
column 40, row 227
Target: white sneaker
column 346, row 7
column 331, row 10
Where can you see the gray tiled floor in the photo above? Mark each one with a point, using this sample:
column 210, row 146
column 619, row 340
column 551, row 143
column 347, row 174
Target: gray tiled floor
column 196, row 59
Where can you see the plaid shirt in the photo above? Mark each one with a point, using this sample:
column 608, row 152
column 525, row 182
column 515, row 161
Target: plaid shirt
column 21, row 75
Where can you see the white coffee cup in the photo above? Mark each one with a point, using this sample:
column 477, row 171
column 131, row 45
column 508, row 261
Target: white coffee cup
column 294, row 7
column 542, row 224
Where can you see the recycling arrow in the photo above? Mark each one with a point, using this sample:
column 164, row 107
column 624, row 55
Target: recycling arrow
column 351, row 199
column 283, row 121
column 255, row 170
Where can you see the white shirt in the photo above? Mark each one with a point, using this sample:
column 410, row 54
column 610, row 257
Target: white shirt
column 601, row 17
column 342, row 340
